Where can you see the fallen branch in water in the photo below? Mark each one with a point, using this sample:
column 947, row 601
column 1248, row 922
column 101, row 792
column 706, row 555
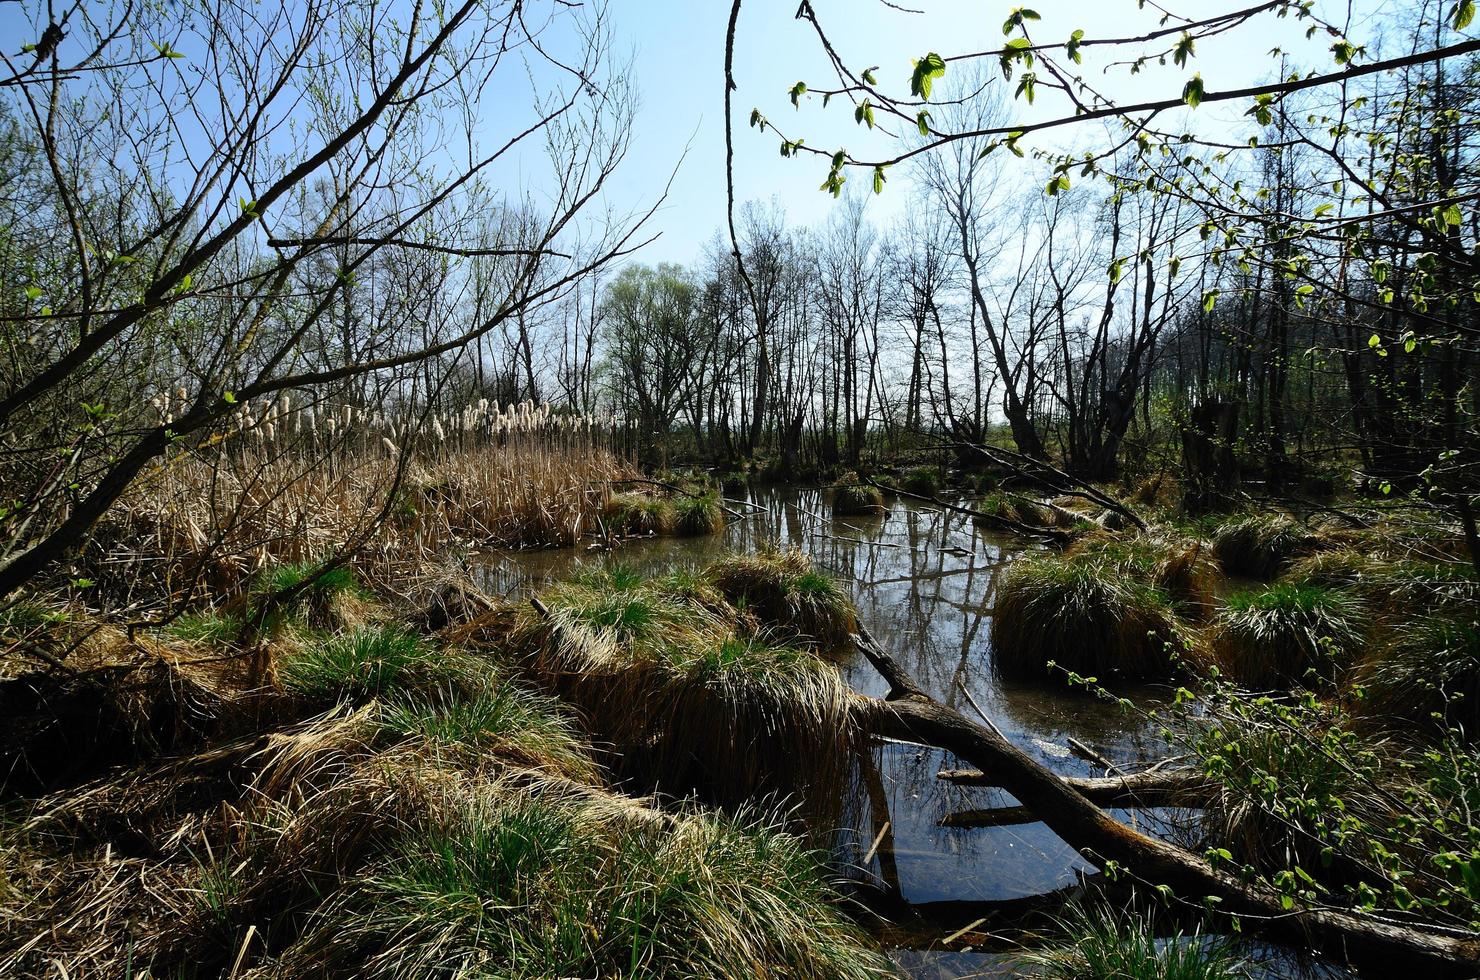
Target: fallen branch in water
column 1176, row 788
column 909, row 713
column 1054, row 534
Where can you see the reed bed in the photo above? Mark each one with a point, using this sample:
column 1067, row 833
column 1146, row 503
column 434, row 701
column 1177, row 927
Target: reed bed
column 208, row 526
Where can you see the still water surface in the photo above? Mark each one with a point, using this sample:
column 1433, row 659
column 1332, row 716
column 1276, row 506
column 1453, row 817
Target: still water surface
column 924, row 581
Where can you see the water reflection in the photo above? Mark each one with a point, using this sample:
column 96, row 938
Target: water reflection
column 924, row 581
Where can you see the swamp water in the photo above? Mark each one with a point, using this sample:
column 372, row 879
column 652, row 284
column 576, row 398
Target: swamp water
column 924, row 582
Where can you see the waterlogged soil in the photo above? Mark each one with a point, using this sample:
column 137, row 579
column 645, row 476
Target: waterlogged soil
column 924, row 581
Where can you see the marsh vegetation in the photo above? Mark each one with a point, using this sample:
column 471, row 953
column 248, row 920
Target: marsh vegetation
column 1062, row 561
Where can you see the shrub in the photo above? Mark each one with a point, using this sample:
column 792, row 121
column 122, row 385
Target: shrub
column 1281, row 634
column 1085, row 615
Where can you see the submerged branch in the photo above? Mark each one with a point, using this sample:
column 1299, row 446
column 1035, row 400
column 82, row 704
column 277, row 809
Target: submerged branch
column 910, row 714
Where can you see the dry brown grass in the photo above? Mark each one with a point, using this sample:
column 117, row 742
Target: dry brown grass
column 207, row 525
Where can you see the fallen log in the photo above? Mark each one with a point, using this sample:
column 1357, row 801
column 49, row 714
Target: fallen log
column 1180, row 787
column 909, row 713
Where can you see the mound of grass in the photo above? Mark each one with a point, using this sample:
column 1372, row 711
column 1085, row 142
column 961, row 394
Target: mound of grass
column 1085, row 615
column 1104, row 943
column 1004, row 506
column 499, row 719
column 210, row 627
column 784, row 592
column 635, row 514
column 516, row 884
column 854, row 499
column 332, row 600
column 1429, row 673
column 699, row 515
column 1184, row 568
column 1261, row 546
column 694, row 695
column 922, row 480
column 1289, row 634
column 364, row 663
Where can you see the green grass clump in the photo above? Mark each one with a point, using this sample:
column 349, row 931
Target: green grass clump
column 699, row 515
column 364, row 663
column 787, row 595
column 1084, row 615
column 25, row 615
column 922, row 480
column 519, row 884
column 1102, row 943
column 636, row 514
column 498, row 719
column 694, row 694
column 853, row 498
column 1429, row 673
column 208, row 626
column 331, row 601
column 1289, row 634
column 1261, row 546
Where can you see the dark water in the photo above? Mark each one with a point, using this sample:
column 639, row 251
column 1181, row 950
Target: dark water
column 924, row 582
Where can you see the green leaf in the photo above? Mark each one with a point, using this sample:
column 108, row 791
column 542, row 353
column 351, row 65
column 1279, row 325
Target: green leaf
column 878, row 180
column 797, row 91
column 868, row 77
column 1210, row 299
column 927, row 70
column 1453, row 217
column 1017, row 17
column 1462, row 14
column 1192, row 92
column 1184, row 50
column 229, row 397
column 1059, row 183
column 1072, row 48
column 922, row 120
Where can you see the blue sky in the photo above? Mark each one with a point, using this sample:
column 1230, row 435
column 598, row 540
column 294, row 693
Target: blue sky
column 678, row 49
column 679, row 71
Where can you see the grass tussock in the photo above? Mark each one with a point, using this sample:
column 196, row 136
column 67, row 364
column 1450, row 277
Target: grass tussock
column 922, row 480
column 853, row 498
column 1103, row 943
column 640, row 515
column 521, row 883
column 700, row 515
column 696, row 689
column 1428, row 673
column 1082, row 613
column 1261, row 546
column 440, row 819
column 1287, row 634
column 783, row 590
